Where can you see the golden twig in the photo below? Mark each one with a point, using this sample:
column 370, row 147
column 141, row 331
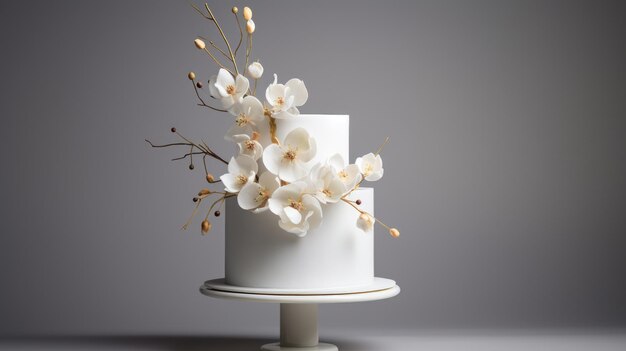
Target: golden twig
column 273, row 137
column 240, row 33
column 248, row 50
column 219, row 28
column 200, row 11
column 204, row 149
column 381, row 146
column 361, row 211
column 209, row 151
column 215, row 46
column 217, row 61
column 193, row 214
column 202, row 102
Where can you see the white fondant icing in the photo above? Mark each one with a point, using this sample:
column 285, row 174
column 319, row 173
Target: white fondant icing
column 336, row 254
column 331, row 133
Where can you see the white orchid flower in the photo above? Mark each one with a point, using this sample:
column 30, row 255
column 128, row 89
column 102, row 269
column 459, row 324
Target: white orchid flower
column 227, row 89
column 365, row 222
column 255, row 70
column 241, row 170
column 371, row 166
column 298, row 210
column 248, row 146
column 288, row 160
column 348, row 174
column 328, row 187
column 247, row 114
column 285, row 98
column 254, row 196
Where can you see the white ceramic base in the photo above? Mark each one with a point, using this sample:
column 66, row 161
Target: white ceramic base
column 298, row 314
column 319, row 347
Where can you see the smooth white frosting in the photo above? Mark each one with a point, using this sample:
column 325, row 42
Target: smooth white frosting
column 336, row 254
column 259, row 254
column 331, row 133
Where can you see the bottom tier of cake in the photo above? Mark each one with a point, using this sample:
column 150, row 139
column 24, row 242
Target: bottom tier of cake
column 260, row 254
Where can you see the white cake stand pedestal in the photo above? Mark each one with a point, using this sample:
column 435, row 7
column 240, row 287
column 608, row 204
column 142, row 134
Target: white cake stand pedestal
column 298, row 312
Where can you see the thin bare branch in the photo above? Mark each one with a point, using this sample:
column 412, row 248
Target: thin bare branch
column 248, row 50
column 202, row 102
column 240, row 33
column 188, row 155
column 218, row 61
column 219, row 28
column 200, row 11
column 166, row 145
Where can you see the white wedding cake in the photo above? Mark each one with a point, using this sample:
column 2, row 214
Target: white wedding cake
column 298, row 219
column 335, row 254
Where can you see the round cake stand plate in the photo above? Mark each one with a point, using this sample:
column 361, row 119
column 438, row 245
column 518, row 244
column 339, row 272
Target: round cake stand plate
column 298, row 314
column 376, row 284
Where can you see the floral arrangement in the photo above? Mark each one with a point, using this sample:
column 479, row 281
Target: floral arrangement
column 292, row 188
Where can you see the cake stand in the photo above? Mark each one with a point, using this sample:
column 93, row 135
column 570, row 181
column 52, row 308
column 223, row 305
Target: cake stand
column 298, row 308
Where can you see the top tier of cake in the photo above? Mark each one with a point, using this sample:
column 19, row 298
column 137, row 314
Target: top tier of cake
column 331, row 133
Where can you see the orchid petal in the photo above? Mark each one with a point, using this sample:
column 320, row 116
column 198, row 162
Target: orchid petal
column 269, row 182
column 293, row 215
column 241, row 85
column 272, row 156
column 298, row 139
column 291, row 171
column 337, row 162
column 294, row 229
column 224, row 78
column 249, row 195
column 230, row 182
column 299, row 91
column 212, row 89
column 253, row 108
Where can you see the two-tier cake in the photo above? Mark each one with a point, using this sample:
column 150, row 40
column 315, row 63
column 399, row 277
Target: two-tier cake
column 298, row 217
column 336, row 254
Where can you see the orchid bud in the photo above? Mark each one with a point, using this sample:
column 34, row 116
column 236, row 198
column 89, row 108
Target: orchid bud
column 250, row 26
column 206, row 226
column 199, row 44
column 394, row 232
column 191, row 76
column 235, row 10
column 247, row 13
column 255, row 70
column 365, row 222
column 210, row 178
column 204, row 192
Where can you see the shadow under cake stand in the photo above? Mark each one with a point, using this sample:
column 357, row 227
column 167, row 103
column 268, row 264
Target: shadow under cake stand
column 298, row 308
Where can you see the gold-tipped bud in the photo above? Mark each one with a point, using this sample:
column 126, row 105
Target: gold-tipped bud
column 199, row 44
column 394, row 232
column 191, row 76
column 235, row 10
column 210, row 178
column 247, row 13
column 250, row 27
column 206, row 226
column 204, row 192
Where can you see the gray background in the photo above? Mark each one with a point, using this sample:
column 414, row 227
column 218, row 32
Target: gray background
column 505, row 170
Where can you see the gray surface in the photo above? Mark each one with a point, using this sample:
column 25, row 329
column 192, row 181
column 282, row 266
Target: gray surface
column 352, row 341
column 505, row 171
